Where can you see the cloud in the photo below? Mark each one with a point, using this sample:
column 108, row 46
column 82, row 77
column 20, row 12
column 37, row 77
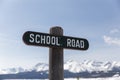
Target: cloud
column 114, row 31
column 111, row 40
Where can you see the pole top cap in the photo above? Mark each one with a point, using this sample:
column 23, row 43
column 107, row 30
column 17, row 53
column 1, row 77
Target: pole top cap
column 57, row 30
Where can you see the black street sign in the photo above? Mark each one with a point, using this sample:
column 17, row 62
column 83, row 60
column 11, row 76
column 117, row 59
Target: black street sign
column 48, row 40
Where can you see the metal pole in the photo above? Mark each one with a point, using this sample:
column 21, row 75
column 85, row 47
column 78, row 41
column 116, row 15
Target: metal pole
column 56, row 59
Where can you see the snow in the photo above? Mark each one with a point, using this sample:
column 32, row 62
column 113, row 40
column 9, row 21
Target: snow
column 74, row 67
column 12, row 70
column 41, row 67
column 90, row 66
column 111, row 78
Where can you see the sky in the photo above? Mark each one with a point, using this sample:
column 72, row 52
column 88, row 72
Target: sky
column 98, row 21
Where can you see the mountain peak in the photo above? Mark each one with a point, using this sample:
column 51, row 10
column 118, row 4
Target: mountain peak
column 70, row 65
column 40, row 67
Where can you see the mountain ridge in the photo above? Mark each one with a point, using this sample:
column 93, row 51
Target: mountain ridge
column 88, row 68
column 70, row 65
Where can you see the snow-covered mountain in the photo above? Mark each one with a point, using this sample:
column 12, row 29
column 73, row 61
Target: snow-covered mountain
column 90, row 66
column 12, row 70
column 41, row 67
column 71, row 66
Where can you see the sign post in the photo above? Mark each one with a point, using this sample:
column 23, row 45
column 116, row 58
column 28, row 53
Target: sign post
column 56, row 43
column 56, row 58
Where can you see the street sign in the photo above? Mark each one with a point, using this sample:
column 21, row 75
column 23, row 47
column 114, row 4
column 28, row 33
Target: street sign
column 49, row 40
column 56, row 43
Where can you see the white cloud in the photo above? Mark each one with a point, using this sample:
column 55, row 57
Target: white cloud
column 114, row 31
column 111, row 40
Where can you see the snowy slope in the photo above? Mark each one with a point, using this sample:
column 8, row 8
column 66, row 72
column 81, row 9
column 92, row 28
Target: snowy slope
column 41, row 67
column 113, row 78
column 72, row 66
column 90, row 66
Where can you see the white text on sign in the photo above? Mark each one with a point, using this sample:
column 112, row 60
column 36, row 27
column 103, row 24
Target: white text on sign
column 43, row 39
column 75, row 43
column 48, row 40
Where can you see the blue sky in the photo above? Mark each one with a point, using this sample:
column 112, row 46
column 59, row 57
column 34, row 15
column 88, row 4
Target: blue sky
column 95, row 20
